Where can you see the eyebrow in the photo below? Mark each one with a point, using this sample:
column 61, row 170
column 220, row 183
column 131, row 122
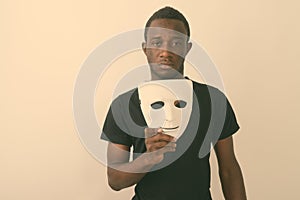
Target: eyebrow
column 154, row 38
column 159, row 37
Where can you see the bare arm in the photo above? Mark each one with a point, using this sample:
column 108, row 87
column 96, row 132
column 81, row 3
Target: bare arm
column 122, row 173
column 230, row 171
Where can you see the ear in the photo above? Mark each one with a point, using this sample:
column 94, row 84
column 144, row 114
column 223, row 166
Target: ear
column 189, row 46
column 144, row 47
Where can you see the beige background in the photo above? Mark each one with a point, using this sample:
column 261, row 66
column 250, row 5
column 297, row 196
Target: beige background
column 255, row 45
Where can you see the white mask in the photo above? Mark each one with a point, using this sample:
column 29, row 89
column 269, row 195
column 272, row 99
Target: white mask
column 167, row 104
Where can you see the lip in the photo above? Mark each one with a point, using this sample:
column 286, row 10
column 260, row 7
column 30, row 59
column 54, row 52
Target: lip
column 166, row 63
column 166, row 66
column 165, row 129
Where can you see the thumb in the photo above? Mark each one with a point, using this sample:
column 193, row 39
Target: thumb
column 150, row 132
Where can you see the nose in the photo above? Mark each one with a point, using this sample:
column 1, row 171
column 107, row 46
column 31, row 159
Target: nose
column 165, row 51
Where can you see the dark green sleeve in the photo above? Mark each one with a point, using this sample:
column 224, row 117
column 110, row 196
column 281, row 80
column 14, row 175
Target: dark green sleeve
column 111, row 129
column 230, row 125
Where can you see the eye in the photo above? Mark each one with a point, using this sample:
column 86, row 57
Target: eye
column 156, row 43
column 180, row 103
column 157, row 104
column 177, row 43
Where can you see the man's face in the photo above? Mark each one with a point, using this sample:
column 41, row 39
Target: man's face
column 166, row 47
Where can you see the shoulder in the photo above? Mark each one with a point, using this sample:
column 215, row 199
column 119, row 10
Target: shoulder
column 126, row 97
column 126, row 94
column 205, row 89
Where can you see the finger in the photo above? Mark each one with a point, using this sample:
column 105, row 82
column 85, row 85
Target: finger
column 157, row 145
column 171, row 144
column 174, row 139
column 150, row 132
column 159, row 138
column 164, row 137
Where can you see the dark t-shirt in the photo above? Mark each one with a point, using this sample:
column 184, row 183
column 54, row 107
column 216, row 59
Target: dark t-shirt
column 184, row 174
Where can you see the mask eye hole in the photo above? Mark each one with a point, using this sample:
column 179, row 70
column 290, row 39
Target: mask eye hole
column 157, row 104
column 180, row 103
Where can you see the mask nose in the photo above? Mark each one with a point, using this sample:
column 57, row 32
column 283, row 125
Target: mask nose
column 170, row 116
column 168, row 113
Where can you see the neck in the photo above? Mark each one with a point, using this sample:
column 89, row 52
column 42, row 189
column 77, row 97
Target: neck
column 155, row 77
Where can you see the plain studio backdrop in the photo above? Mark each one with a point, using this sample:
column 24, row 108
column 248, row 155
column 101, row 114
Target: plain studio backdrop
column 254, row 44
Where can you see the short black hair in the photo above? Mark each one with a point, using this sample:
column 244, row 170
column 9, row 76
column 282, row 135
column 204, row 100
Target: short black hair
column 168, row 13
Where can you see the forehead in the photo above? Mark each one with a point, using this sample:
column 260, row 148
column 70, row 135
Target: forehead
column 155, row 90
column 171, row 27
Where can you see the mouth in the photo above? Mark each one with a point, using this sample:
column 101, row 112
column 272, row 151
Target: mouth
column 166, row 65
column 166, row 129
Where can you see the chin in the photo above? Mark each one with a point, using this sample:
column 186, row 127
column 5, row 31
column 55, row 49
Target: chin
column 158, row 73
column 167, row 76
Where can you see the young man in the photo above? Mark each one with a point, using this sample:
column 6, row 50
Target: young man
column 188, row 176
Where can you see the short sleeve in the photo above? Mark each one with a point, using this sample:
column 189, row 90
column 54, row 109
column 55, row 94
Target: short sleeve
column 231, row 125
column 111, row 129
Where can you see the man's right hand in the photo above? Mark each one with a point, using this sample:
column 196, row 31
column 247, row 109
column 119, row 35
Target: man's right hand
column 158, row 143
column 122, row 173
